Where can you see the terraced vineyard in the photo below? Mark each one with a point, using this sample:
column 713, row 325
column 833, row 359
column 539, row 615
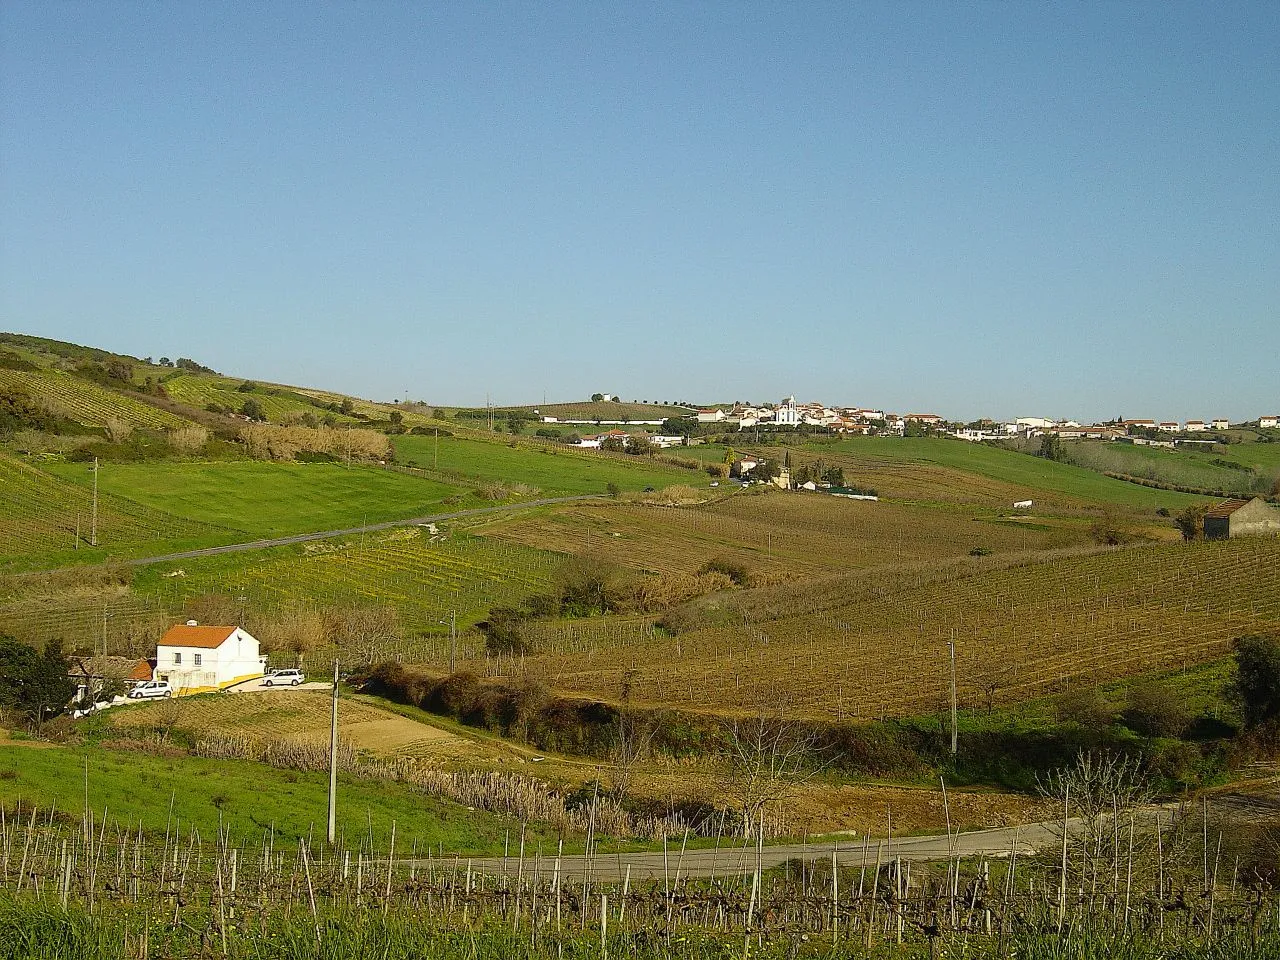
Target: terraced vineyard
column 425, row 578
column 777, row 535
column 86, row 402
column 40, row 515
column 200, row 391
column 1019, row 632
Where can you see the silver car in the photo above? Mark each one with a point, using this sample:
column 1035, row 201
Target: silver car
column 290, row 677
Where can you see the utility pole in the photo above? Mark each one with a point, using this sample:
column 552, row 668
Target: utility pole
column 951, row 646
column 93, row 529
column 453, row 637
column 333, row 760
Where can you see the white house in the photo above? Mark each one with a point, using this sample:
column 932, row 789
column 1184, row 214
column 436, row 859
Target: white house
column 1266, row 422
column 1221, row 423
column 787, row 413
column 714, row 415
column 1194, row 426
column 195, row 658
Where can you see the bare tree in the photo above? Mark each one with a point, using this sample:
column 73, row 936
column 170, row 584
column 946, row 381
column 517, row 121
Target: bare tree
column 364, row 630
column 769, row 759
column 1102, row 794
column 632, row 738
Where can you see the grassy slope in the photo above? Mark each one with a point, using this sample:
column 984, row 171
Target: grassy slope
column 269, row 499
column 613, row 410
column 137, row 787
column 1009, row 467
column 551, row 472
column 41, row 513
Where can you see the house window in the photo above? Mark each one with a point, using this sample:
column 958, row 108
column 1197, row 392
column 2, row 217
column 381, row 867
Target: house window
column 177, row 658
column 199, row 659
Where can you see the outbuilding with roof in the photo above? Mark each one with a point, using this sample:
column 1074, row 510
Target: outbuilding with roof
column 195, row 658
column 1242, row 518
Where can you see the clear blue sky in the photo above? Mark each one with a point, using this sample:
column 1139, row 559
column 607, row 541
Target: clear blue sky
column 993, row 208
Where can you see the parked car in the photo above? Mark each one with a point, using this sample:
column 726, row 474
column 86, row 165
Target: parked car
column 290, row 677
column 151, row 690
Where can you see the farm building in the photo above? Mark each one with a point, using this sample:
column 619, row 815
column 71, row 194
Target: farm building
column 1241, row 518
column 195, row 658
column 93, row 675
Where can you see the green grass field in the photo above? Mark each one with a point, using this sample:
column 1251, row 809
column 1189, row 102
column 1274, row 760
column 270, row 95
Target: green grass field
column 249, row 799
column 549, row 470
column 40, row 515
column 588, row 410
column 1005, row 466
column 261, row 499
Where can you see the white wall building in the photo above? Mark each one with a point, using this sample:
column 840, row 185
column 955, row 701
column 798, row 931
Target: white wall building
column 195, row 658
column 787, row 413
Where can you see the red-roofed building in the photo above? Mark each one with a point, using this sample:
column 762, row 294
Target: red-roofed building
column 195, row 658
column 1242, row 518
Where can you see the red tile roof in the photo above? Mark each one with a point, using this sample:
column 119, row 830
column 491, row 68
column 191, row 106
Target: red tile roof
column 141, row 670
column 1227, row 508
column 208, row 638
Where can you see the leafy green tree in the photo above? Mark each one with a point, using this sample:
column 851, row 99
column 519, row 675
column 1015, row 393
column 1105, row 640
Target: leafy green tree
column 1050, row 447
column 834, row 476
column 252, row 409
column 514, row 425
column 1191, row 521
column 597, row 397
column 33, row 684
column 1257, row 683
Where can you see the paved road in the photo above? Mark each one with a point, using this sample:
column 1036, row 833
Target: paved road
column 367, row 528
column 737, row 859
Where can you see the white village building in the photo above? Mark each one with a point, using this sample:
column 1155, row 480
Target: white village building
column 195, row 658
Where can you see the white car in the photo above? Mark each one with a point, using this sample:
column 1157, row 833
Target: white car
column 151, row 690
column 291, row 677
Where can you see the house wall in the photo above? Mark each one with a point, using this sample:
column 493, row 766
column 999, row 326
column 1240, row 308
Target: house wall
column 1256, row 518
column 236, row 659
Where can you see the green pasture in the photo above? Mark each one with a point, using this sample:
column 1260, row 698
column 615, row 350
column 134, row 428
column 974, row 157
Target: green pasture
column 266, row 499
column 249, row 799
column 550, row 470
column 1185, row 466
column 1008, row 467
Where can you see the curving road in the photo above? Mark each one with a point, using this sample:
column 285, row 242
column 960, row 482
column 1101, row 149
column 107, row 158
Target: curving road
column 367, row 528
column 737, row 859
column 730, row 860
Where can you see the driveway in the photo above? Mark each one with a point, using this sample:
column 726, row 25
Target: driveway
column 257, row 686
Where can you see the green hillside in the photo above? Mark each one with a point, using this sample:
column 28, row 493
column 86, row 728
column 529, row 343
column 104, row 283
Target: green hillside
column 1008, row 467
column 263, row 499
column 548, row 468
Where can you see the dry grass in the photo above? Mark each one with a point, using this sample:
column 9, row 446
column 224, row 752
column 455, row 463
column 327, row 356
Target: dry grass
column 777, row 535
column 1020, row 632
column 300, row 716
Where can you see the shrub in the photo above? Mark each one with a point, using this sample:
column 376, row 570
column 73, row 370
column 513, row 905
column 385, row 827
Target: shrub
column 735, row 570
column 1156, row 710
